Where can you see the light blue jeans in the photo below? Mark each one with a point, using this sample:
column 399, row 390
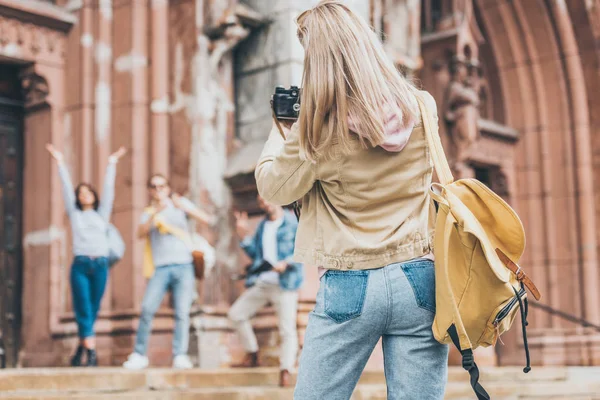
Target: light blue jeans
column 181, row 280
column 354, row 310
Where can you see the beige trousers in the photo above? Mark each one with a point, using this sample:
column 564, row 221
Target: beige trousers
column 286, row 306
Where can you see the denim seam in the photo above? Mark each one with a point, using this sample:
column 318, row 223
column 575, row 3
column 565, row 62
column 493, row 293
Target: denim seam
column 388, row 293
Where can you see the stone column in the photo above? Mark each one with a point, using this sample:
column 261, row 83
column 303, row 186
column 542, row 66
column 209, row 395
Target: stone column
column 130, row 128
column 160, row 82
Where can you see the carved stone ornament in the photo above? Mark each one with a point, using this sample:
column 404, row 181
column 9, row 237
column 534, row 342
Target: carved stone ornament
column 35, row 89
column 461, row 113
column 28, row 36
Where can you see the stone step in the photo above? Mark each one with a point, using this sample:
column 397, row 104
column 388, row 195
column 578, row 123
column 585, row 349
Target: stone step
column 82, row 379
column 261, row 383
column 455, row 391
column 72, row 379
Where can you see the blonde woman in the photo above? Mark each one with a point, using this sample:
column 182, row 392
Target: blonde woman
column 358, row 158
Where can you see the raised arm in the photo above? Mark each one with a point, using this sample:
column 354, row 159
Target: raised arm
column 65, row 179
column 248, row 241
column 282, row 177
column 192, row 211
column 108, row 190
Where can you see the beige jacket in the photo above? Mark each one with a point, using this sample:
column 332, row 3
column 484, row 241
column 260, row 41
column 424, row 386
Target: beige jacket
column 361, row 209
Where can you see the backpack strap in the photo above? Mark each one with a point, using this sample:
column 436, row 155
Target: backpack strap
column 468, row 363
column 435, row 144
column 457, row 331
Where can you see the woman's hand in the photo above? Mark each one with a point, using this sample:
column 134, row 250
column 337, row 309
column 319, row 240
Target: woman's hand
column 284, row 127
column 57, row 155
column 116, row 156
column 280, row 267
column 178, row 203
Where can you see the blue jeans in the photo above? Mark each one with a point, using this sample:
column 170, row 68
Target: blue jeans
column 354, row 310
column 88, row 281
column 181, row 280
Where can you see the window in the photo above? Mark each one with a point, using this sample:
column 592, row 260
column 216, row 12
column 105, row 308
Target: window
column 483, row 175
column 431, row 13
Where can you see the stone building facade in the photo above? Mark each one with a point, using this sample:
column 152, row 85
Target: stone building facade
column 185, row 86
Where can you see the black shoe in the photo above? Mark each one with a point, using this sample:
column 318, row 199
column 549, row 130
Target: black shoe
column 92, row 359
column 76, row 360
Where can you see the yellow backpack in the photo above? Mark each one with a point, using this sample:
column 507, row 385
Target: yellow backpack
column 479, row 240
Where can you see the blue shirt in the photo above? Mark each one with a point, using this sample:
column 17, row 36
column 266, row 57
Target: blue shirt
column 293, row 276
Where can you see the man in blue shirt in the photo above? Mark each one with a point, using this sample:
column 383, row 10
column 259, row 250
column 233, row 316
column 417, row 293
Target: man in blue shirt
column 271, row 278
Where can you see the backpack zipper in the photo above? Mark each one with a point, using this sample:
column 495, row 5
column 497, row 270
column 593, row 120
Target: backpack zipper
column 506, row 309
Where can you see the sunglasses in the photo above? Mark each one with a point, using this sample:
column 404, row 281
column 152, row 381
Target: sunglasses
column 158, row 186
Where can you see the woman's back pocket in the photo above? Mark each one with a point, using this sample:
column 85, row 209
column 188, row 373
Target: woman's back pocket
column 421, row 276
column 344, row 295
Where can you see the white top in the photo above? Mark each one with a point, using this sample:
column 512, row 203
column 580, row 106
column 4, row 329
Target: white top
column 90, row 227
column 269, row 247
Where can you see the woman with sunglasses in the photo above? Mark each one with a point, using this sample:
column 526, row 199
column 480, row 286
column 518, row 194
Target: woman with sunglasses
column 89, row 216
column 168, row 266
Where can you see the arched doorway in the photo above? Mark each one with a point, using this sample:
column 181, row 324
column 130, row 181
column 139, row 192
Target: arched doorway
column 11, row 184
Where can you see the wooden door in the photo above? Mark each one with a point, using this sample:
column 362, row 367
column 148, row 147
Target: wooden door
column 11, row 184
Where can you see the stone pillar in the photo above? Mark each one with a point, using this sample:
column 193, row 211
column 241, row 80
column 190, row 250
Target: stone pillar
column 159, row 89
column 44, row 241
column 102, row 112
column 130, row 128
column 402, row 29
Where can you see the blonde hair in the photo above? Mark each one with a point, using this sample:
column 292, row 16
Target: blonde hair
column 346, row 72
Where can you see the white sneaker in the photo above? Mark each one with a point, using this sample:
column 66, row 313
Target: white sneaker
column 136, row 361
column 182, row 361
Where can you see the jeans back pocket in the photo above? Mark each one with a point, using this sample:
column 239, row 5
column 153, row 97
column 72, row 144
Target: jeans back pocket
column 344, row 295
column 421, row 276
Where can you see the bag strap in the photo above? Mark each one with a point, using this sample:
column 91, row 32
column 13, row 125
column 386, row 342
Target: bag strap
column 163, row 226
column 440, row 162
column 468, row 363
column 457, row 330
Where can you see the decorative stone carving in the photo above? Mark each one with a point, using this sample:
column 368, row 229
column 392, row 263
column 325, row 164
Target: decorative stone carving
column 461, row 113
column 30, row 41
column 35, row 89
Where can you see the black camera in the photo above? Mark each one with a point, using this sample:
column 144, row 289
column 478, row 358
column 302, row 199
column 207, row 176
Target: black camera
column 286, row 102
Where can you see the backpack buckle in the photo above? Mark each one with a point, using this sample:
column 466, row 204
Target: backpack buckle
column 468, row 361
column 519, row 273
